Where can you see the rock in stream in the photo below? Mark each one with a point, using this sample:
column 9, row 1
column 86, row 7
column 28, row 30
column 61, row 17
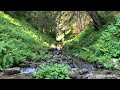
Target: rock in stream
column 11, row 71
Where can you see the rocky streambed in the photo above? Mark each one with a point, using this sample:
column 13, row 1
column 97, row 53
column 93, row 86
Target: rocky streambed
column 78, row 69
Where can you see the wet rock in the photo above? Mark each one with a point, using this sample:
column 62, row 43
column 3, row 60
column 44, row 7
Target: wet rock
column 17, row 76
column 117, row 77
column 83, row 71
column 73, row 72
column 11, row 71
column 102, row 76
column 71, row 65
column 1, row 73
column 59, row 51
column 60, row 62
column 106, row 72
column 90, row 76
column 112, row 76
column 56, row 52
column 55, row 56
column 99, row 65
column 79, row 77
column 94, row 67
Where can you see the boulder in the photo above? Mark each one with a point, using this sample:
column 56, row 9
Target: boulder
column 101, row 76
column 10, row 71
column 90, row 76
column 83, row 71
column 79, row 77
column 73, row 72
column 1, row 73
column 99, row 65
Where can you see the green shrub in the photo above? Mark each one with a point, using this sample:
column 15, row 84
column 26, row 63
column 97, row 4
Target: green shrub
column 56, row 71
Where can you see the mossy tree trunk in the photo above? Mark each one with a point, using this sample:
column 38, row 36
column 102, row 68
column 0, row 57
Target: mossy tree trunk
column 96, row 19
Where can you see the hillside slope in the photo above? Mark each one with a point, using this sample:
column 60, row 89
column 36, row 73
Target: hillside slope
column 97, row 46
column 19, row 41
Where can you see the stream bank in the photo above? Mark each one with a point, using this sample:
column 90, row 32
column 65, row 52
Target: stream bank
column 78, row 69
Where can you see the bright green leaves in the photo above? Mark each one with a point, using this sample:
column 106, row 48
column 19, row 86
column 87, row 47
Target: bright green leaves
column 55, row 71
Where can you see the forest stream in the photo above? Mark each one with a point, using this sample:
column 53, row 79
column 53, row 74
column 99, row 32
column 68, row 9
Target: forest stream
column 78, row 69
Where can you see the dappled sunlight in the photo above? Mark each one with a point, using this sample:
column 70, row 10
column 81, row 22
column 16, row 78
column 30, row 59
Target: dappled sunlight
column 23, row 28
column 117, row 15
column 75, row 38
column 53, row 46
column 60, row 37
column 11, row 20
column 67, row 32
column 35, row 37
column 71, row 24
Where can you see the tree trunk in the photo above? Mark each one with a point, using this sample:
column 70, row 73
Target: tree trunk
column 96, row 19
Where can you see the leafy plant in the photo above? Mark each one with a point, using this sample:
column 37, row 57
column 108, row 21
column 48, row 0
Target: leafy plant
column 56, row 71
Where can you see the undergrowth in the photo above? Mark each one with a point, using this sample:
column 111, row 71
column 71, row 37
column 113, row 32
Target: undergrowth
column 56, row 71
column 19, row 41
column 102, row 46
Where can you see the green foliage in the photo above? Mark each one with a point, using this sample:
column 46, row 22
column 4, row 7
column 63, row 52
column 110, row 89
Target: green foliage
column 100, row 46
column 108, row 16
column 55, row 71
column 18, row 40
column 44, row 21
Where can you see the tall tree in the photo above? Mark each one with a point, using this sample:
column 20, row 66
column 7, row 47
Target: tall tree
column 96, row 19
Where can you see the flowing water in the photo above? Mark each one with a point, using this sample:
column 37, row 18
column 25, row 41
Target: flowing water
column 28, row 70
column 57, row 57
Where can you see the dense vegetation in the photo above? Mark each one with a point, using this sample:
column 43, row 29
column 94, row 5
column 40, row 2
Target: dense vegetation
column 28, row 35
column 56, row 71
column 19, row 42
column 102, row 46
